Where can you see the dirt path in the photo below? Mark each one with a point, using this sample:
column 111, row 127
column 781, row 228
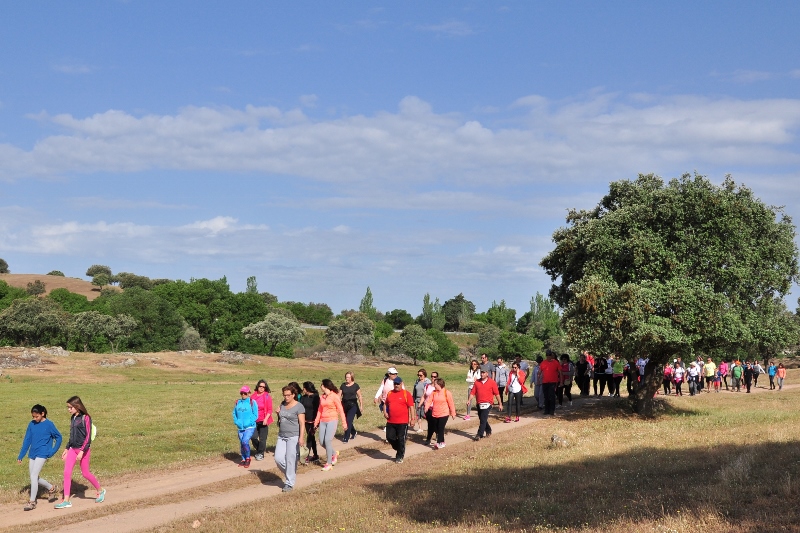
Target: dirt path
column 134, row 505
column 126, row 508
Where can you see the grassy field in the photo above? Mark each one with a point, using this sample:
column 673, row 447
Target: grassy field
column 718, row 462
column 165, row 411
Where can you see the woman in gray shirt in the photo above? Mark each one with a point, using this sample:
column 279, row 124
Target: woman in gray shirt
column 291, row 435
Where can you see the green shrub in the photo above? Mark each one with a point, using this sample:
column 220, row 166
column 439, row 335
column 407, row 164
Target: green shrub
column 55, row 273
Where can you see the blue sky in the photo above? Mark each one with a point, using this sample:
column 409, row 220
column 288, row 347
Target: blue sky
column 413, row 147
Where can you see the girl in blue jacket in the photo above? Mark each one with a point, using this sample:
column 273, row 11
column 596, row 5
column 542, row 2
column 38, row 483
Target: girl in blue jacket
column 42, row 440
column 245, row 414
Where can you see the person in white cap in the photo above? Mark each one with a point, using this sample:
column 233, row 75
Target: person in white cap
column 387, row 385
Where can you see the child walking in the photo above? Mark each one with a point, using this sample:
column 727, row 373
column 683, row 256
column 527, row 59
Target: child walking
column 245, row 414
column 78, row 450
column 42, row 440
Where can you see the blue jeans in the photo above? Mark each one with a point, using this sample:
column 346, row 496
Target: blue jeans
column 244, row 440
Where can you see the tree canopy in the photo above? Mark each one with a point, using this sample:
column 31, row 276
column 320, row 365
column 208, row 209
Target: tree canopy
column 275, row 329
column 671, row 269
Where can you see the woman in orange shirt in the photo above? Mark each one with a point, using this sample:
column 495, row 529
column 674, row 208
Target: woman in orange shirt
column 781, row 374
column 440, row 402
column 330, row 406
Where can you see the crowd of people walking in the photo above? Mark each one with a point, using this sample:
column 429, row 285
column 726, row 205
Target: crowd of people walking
column 307, row 418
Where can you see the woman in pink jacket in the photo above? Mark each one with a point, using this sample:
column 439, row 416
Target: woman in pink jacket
column 262, row 398
column 330, row 407
column 440, row 402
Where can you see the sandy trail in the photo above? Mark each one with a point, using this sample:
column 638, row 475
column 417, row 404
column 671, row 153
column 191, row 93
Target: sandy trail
column 458, row 432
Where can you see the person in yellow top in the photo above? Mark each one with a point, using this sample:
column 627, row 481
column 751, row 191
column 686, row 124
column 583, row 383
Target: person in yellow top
column 709, row 370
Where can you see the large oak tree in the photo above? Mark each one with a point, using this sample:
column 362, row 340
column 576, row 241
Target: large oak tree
column 672, row 269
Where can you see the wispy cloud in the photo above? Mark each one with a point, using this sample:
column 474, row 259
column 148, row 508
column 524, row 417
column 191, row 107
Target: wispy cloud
column 101, row 203
column 73, row 68
column 450, row 28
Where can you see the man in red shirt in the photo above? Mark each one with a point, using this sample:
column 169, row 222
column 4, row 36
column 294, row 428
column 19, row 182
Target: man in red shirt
column 551, row 376
column 399, row 412
column 485, row 392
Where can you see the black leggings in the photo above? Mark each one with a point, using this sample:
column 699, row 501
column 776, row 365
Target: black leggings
column 516, row 399
column 602, row 379
column 311, row 440
column 259, row 438
column 563, row 390
column 439, row 423
column 431, row 423
column 666, row 383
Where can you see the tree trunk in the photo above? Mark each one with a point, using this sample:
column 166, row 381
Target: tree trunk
column 644, row 395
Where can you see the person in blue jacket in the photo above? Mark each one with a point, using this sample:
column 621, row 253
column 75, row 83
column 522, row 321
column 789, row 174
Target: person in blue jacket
column 42, row 440
column 245, row 414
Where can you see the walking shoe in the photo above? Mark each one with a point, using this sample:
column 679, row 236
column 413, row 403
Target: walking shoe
column 354, row 435
column 100, row 497
column 30, row 507
column 516, row 419
column 247, row 463
column 398, row 461
column 259, row 457
column 570, row 403
column 287, row 488
column 335, row 458
column 327, row 467
column 466, row 417
column 51, row 494
column 440, row 445
column 63, row 505
column 242, row 462
column 508, row 419
column 426, row 442
column 345, row 439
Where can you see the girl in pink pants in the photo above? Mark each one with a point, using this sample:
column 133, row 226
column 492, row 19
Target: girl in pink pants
column 77, row 450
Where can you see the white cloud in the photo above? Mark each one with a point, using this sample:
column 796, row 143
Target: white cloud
column 450, row 28
column 72, row 68
column 543, row 141
column 309, row 100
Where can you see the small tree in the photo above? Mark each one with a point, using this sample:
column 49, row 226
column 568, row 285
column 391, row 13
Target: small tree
column 3, row 267
column 415, row 343
column 94, row 270
column 101, row 280
column 119, row 327
column 399, row 318
column 275, row 329
column 30, row 321
column 191, row 340
column 366, row 306
column 127, row 280
column 55, row 273
column 87, row 325
column 351, row 333
column 35, row 288
column 252, row 285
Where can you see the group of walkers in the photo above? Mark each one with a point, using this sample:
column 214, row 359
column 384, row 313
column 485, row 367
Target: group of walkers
column 42, row 441
column 305, row 414
column 707, row 375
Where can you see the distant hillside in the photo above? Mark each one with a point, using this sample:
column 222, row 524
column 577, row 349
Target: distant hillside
column 78, row 286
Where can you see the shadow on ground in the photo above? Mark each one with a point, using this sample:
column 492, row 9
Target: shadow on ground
column 725, row 482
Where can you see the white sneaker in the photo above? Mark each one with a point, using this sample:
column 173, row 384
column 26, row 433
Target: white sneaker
column 441, row 445
column 570, row 403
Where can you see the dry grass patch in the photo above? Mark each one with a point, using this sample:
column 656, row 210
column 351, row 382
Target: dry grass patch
column 718, row 462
